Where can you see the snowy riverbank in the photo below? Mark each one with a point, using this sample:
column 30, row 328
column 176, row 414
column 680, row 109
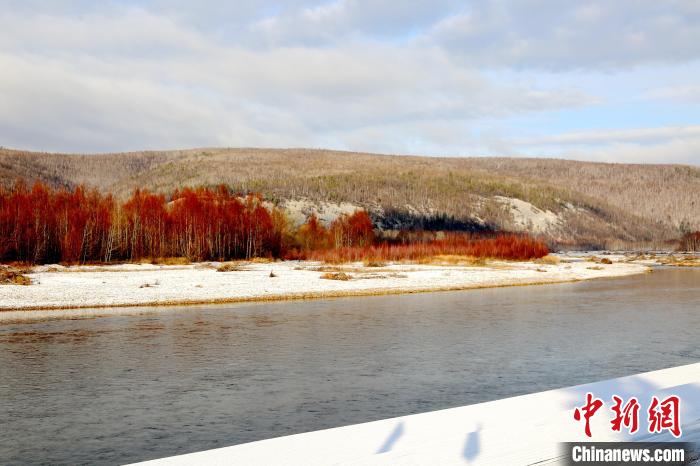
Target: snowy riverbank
column 57, row 287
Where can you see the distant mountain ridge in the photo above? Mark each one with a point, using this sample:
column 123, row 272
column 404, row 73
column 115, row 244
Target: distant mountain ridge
column 568, row 202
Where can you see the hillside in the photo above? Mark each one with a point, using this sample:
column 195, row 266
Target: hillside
column 589, row 204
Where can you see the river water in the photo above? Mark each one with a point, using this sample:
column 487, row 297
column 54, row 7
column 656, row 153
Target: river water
column 123, row 388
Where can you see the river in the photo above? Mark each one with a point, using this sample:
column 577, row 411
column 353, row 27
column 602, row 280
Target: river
column 123, row 388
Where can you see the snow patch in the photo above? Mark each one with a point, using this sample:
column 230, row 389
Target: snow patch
column 298, row 210
column 527, row 217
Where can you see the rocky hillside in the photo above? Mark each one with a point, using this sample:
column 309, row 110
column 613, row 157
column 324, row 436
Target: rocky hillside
column 568, row 202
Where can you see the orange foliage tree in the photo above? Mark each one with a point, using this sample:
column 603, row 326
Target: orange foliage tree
column 354, row 230
column 312, row 234
column 41, row 225
column 44, row 225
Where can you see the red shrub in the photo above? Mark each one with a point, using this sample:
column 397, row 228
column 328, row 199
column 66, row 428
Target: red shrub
column 509, row 247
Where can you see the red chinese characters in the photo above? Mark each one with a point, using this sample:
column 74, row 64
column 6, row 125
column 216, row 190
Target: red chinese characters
column 627, row 415
column 665, row 415
column 589, row 409
column 662, row 414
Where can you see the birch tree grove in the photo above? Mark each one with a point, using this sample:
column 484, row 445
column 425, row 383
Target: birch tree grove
column 42, row 225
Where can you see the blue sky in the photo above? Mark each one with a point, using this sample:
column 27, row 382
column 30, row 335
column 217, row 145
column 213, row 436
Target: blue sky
column 605, row 81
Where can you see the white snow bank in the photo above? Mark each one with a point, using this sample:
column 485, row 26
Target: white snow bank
column 133, row 284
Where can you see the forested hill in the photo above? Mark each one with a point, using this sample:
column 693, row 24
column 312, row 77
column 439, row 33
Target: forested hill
column 591, row 204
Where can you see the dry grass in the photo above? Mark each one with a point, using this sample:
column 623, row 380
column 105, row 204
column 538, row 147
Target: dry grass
column 599, row 260
column 336, row 276
column 327, row 268
column 171, row 261
column 448, row 259
column 11, row 276
column 548, row 260
column 373, row 263
column 685, row 261
column 261, row 260
column 230, row 267
column 346, row 269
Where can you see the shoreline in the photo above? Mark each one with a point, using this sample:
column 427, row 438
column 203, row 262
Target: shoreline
column 55, row 289
column 303, row 296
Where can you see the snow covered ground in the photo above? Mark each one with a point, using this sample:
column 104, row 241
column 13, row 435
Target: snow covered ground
column 57, row 287
column 521, row 430
column 671, row 259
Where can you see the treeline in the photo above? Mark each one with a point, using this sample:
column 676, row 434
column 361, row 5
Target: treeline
column 40, row 225
column 597, row 202
column 43, row 225
column 690, row 242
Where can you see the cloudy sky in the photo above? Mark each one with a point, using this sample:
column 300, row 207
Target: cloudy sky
column 612, row 81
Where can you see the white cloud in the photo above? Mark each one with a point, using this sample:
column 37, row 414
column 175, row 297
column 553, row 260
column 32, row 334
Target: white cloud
column 687, row 94
column 682, row 151
column 637, row 135
column 106, row 82
column 671, row 144
column 421, row 77
column 335, row 21
column 567, row 34
column 130, row 32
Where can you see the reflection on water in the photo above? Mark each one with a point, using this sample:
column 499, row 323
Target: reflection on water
column 127, row 388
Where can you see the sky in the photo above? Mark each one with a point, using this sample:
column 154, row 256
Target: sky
column 612, row 81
